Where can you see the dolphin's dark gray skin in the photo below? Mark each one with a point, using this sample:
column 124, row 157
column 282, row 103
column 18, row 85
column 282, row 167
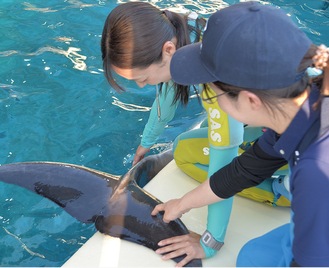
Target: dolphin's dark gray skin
column 117, row 205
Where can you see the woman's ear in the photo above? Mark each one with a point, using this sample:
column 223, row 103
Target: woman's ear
column 252, row 99
column 168, row 48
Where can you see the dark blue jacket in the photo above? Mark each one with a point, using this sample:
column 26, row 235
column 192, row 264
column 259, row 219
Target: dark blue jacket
column 308, row 156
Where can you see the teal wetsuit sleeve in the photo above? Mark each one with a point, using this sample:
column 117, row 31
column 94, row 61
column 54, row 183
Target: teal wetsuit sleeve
column 162, row 111
column 219, row 213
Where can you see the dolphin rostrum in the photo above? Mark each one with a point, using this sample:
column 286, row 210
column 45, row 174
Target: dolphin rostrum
column 118, row 206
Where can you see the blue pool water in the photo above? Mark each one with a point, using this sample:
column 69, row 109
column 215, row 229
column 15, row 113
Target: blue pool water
column 55, row 105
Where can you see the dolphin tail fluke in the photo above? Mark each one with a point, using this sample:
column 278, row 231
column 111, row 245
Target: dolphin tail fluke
column 71, row 187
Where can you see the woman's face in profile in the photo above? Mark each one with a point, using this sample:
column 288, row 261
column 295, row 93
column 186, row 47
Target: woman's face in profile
column 241, row 107
column 155, row 73
column 152, row 75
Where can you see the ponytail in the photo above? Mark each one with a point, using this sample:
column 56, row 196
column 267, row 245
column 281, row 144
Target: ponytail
column 321, row 61
column 183, row 32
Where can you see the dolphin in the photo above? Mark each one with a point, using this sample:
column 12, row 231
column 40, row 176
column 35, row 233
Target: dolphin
column 117, row 205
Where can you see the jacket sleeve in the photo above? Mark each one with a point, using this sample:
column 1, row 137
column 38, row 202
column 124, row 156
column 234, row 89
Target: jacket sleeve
column 162, row 111
column 247, row 170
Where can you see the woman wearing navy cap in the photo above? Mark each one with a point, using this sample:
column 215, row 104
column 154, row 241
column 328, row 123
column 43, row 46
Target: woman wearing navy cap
column 255, row 58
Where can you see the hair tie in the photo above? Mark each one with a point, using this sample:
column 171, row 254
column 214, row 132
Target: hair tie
column 170, row 17
column 167, row 13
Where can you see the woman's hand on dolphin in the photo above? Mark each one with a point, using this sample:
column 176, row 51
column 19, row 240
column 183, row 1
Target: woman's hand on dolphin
column 140, row 153
column 198, row 197
column 179, row 245
column 171, row 210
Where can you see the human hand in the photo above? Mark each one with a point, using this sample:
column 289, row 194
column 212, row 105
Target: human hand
column 140, row 153
column 179, row 245
column 171, row 210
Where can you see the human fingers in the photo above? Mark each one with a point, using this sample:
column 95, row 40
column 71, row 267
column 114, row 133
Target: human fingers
column 182, row 241
column 188, row 245
column 173, row 250
column 171, row 210
column 157, row 209
column 140, row 154
column 171, row 241
column 137, row 158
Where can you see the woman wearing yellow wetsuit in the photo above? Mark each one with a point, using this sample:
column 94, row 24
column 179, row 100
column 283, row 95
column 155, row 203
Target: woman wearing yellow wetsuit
column 195, row 149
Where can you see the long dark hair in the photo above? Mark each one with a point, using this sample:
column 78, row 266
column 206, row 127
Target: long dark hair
column 134, row 34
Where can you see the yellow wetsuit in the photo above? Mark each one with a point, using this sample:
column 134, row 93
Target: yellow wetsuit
column 192, row 151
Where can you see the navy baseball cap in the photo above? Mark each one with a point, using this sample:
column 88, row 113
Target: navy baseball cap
column 248, row 45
